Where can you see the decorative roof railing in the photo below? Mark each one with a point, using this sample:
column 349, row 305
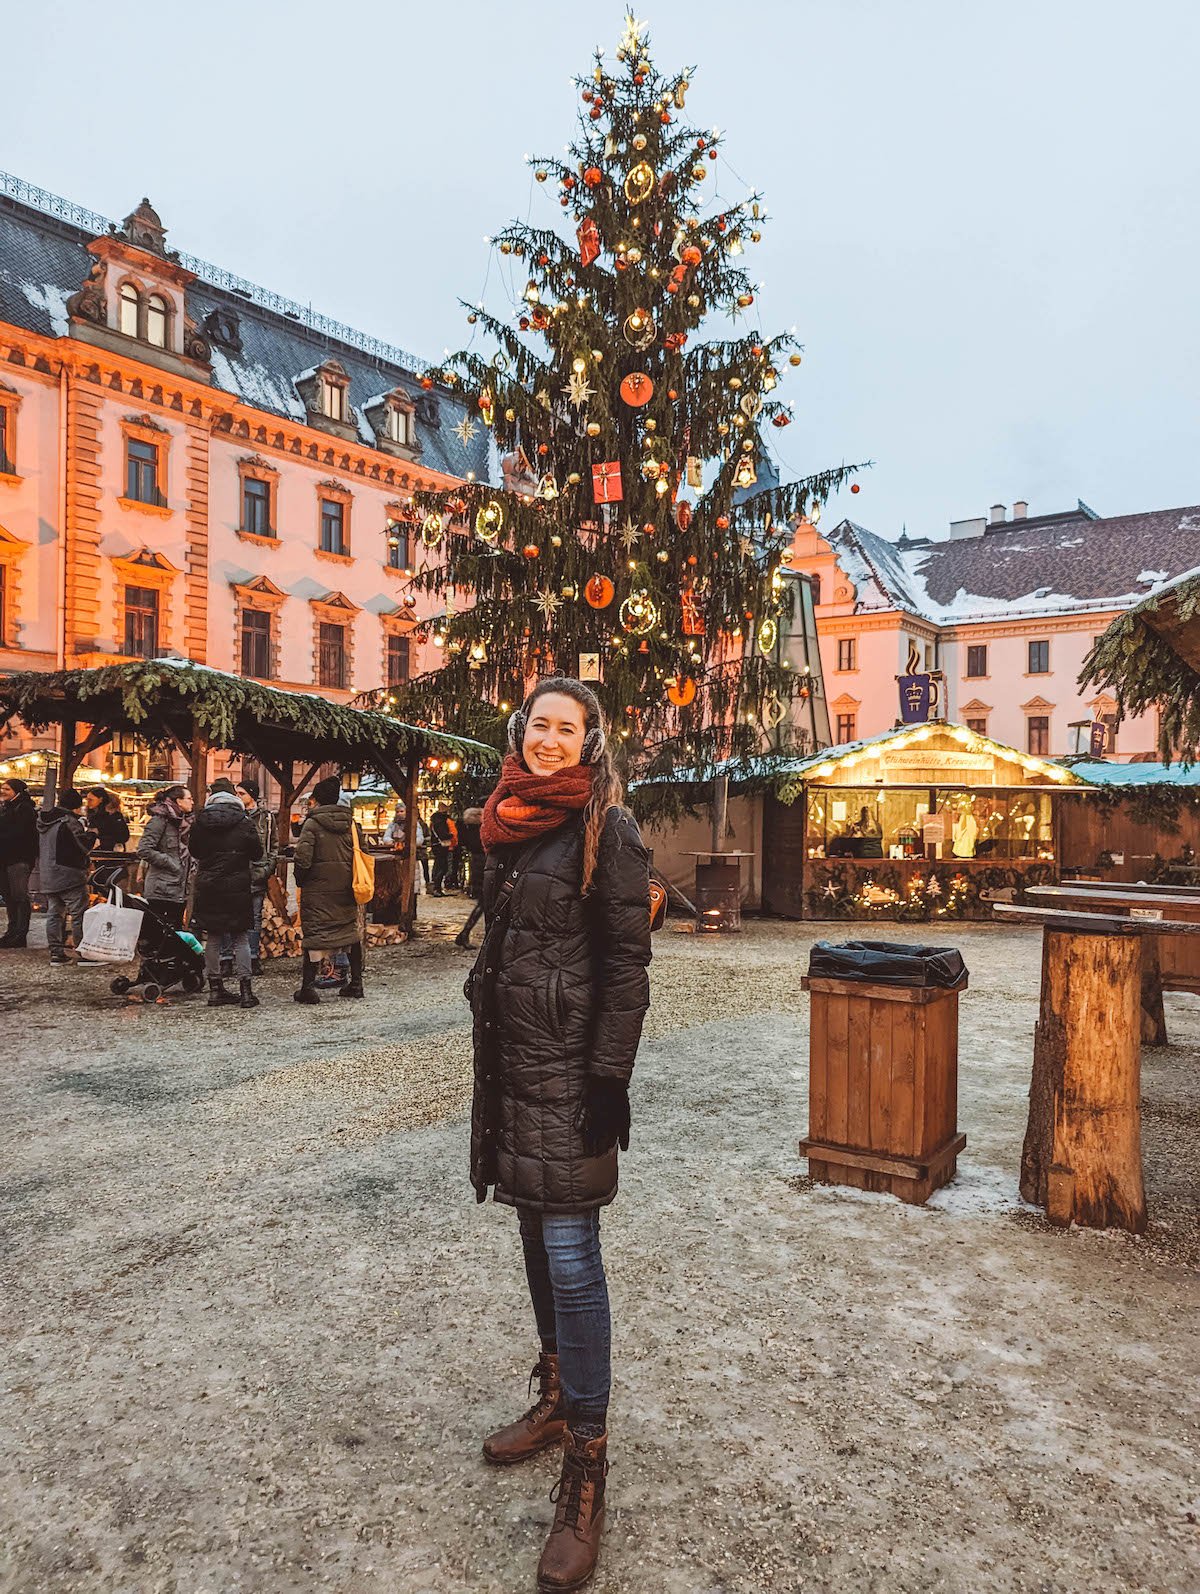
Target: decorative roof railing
column 216, row 276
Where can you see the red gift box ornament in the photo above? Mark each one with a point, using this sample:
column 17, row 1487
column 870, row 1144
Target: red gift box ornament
column 692, row 615
column 589, row 241
column 606, row 482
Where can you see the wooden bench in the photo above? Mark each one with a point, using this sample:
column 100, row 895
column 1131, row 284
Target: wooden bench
column 1082, row 1156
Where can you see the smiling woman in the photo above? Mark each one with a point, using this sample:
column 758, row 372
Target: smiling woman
column 558, row 994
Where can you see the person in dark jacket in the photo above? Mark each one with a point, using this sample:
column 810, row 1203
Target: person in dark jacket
column 18, row 854
column 224, row 844
column 558, row 994
column 103, row 815
column 441, row 844
column 163, row 846
column 329, row 916
column 471, row 843
column 63, row 848
column 263, row 821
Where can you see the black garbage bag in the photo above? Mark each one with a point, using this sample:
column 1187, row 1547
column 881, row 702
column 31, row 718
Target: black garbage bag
column 888, row 963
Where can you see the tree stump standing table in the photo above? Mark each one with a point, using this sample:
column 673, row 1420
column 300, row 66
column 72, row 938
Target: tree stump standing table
column 1082, row 1157
column 1164, row 965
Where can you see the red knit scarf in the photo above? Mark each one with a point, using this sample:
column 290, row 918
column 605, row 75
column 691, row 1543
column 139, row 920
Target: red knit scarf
column 524, row 806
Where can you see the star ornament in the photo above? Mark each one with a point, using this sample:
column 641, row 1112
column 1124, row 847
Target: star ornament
column 629, row 535
column 466, row 429
column 577, row 390
column 547, row 603
column 631, row 39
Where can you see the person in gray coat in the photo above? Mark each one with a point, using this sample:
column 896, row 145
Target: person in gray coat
column 163, row 847
column 63, row 847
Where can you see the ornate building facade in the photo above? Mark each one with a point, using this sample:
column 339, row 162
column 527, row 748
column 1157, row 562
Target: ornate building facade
column 191, row 465
column 1006, row 610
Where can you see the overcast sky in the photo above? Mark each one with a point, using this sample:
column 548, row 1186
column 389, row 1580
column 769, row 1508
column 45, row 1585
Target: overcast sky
column 986, row 222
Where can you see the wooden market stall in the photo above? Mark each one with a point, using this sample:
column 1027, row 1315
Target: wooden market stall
column 917, row 823
column 195, row 711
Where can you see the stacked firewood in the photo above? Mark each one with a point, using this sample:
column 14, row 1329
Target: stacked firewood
column 384, row 935
column 280, row 938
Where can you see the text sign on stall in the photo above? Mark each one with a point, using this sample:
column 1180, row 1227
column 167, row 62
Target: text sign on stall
column 1099, row 739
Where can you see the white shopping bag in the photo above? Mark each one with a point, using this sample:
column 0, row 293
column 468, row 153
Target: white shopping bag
column 111, row 931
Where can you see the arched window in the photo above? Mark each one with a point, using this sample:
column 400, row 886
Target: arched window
column 156, row 321
column 128, row 322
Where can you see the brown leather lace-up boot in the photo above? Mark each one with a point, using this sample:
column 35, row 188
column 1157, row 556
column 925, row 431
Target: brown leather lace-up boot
column 573, row 1547
column 542, row 1426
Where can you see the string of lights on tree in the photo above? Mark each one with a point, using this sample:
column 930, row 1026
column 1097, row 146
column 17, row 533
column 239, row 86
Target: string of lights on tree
column 634, row 543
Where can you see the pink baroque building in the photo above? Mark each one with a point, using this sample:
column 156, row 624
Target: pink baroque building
column 1006, row 608
column 191, row 465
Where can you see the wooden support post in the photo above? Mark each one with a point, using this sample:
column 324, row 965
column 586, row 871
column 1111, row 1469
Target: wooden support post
column 198, row 758
column 282, row 771
column 1082, row 1158
column 1154, row 1021
column 68, row 759
column 408, row 883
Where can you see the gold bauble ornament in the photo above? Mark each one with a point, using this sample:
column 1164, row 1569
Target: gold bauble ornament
column 634, row 256
column 506, row 249
column 489, row 521
column 639, row 141
column 748, row 444
column 651, row 424
column 793, row 359
column 574, row 478
column 735, row 382
column 694, row 300
column 593, row 428
column 431, row 530
column 699, row 173
column 541, row 176
column 722, row 427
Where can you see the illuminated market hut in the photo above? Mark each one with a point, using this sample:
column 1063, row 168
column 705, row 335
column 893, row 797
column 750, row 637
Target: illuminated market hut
column 923, row 822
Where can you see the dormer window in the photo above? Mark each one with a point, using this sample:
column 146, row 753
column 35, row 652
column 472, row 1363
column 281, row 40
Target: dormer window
column 391, row 419
column 130, row 304
column 400, row 426
column 334, row 395
column 156, row 320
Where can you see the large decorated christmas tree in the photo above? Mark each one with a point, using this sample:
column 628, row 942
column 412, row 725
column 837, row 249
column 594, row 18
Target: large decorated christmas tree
column 637, row 538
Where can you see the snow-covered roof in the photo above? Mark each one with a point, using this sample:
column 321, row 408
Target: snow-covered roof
column 44, row 260
column 1047, row 565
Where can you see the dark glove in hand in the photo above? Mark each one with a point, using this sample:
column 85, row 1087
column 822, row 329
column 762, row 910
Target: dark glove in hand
column 603, row 1116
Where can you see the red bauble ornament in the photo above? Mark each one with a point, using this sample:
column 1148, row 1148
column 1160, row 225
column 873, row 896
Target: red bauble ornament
column 531, row 550
column 692, row 256
column 599, row 592
column 682, row 691
column 543, row 448
column 568, row 181
column 596, row 112
column 683, row 515
column 672, row 287
column 672, row 394
column 722, row 522
column 593, row 177
column 587, row 96
column 786, row 420
column 543, row 260
column 636, row 389
column 426, row 381
column 853, row 487
column 665, row 117
column 523, row 323
column 639, row 78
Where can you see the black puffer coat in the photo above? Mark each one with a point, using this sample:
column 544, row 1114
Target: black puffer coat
column 329, row 915
column 223, row 843
column 18, row 831
column 559, row 992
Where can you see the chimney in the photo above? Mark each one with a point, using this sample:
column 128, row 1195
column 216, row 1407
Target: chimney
column 1020, row 509
column 996, row 514
column 967, row 528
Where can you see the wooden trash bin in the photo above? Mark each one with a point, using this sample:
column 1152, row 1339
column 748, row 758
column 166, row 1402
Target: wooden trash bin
column 882, row 1086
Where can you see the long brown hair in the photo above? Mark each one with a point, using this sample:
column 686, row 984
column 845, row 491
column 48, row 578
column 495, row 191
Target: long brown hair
column 607, row 790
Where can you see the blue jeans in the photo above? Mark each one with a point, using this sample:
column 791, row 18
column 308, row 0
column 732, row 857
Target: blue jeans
column 570, row 1304
column 255, row 930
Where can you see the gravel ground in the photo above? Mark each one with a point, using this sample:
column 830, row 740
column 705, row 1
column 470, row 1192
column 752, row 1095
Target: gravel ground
column 255, row 1325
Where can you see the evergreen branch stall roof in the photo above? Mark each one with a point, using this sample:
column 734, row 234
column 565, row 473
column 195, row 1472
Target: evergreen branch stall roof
column 1150, row 658
column 161, row 699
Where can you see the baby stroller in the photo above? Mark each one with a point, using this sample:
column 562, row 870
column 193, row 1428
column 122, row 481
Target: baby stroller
column 168, row 956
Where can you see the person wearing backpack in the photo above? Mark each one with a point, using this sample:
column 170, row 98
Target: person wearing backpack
column 63, row 848
column 329, row 916
column 558, row 994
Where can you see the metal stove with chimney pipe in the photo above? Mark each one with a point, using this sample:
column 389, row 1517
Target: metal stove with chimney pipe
column 719, row 874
